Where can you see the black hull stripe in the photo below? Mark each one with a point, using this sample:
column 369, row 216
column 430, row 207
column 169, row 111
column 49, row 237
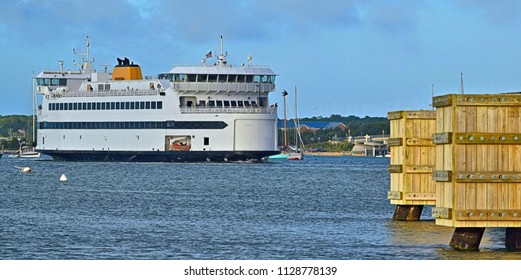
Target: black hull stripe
column 158, row 156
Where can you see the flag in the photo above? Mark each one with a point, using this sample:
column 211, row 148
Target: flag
column 208, row 55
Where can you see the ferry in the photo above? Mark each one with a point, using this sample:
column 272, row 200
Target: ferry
column 212, row 112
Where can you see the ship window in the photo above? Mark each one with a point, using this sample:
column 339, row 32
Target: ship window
column 239, row 103
column 240, row 78
column 191, row 77
column 247, row 103
column 232, row 78
column 226, row 103
column 84, row 105
column 54, row 82
column 253, row 103
column 98, row 106
column 257, row 78
column 75, row 106
column 264, row 79
column 70, row 106
column 142, row 105
column 202, row 78
column 122, row 105
column 88, row 106
column 219, row 103
column 211, row 103
column 112, row 105
column 202, row 103
column 206, row 141
column 61, row 106
column 131, row 105
column 147, row 105
column 222, row 78
column 100, row 87
column 62, row 82
column 234, row 103
column 127, row 105
column 117, row 106
column 159, row 104
column 212, row 78
column 152, row 105
column 271, row 79
column 180, row 77
column 50, row 106
column 249, row 78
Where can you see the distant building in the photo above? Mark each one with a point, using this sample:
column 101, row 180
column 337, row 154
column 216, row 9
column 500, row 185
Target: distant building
column 313, row 126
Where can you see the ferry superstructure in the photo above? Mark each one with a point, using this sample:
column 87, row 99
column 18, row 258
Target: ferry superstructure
column 207, row 113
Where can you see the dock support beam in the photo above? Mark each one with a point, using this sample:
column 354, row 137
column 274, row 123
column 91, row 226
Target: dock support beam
column 467, row 239
column 513, row 239
column 408, row 212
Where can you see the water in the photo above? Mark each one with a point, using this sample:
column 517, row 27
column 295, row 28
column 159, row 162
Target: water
column 332, row 208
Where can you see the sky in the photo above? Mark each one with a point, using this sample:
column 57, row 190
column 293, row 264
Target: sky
column 345, row 57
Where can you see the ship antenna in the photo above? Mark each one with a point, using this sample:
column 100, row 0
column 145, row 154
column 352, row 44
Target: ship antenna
column 221, row 45
column 86, row 66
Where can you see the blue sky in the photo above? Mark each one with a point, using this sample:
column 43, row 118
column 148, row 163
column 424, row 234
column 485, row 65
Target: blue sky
column 347, row 57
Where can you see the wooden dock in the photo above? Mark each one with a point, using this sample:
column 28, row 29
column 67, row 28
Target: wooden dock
column 478, row 166
column 412, row 162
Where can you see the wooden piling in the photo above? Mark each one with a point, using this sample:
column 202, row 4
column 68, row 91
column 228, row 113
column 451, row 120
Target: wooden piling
column 412, row 161
column 478, row 163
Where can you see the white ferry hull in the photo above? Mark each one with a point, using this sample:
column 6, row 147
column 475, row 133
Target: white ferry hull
column 160, row 156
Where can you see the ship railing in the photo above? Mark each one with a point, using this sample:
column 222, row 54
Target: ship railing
column 73, row 93
column 229, row 110
column 217, row 87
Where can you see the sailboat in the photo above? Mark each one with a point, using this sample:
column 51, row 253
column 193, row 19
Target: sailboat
column 287, row 152
column 284, row 153
column 298, row 154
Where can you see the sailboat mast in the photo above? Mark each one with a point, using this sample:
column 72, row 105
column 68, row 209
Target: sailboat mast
column 297, row 126
column 284, row 93
column 33, row 126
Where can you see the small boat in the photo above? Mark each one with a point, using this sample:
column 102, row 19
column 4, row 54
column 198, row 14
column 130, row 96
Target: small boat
column 28, row 152
column 296, row 156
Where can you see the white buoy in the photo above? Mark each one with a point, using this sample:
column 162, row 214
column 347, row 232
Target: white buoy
column 63, row 178
column 24, row 169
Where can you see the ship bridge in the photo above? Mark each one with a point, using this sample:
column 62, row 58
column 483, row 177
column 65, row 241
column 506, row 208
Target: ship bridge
column 222, row 79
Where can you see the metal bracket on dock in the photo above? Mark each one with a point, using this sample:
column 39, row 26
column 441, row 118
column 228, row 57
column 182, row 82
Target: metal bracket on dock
column 395, row 168
column 488, row 177
column 442, row 176
column 442, row 138
column 394, row 195
column 441, row 213
column 487, row 138
column 487, row 215
column 392, row 142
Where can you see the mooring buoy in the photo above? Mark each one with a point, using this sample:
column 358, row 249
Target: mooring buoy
column 63, row 178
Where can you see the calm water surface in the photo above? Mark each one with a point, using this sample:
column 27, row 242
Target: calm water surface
column 321, row 208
